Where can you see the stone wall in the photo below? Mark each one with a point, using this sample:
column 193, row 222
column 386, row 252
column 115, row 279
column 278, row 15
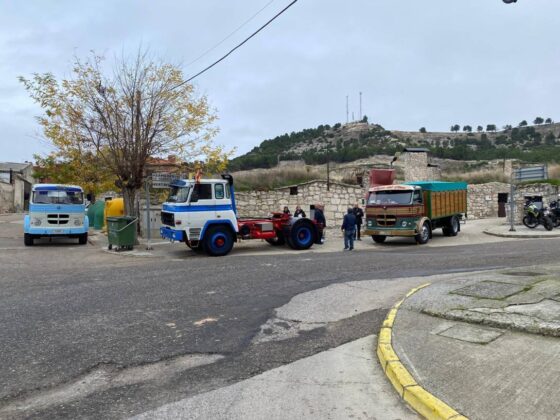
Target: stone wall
column 416, row 168
column 336, row 200
column 6, row 198
column 482, row 199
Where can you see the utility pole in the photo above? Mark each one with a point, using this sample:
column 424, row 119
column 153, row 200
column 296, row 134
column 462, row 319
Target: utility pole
column 360, row 106
column 346, row 109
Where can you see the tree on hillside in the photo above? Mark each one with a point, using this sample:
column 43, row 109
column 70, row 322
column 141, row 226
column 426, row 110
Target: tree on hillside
column 480, row 129
column 523, row 123
column 538, row 121
column 467, row 128
column 422, row 129
column 491, row 127
column 140, row 109
column 455, row 128
column 548, row 121
column 365, row 119
column 507, row 127
column 549, row 139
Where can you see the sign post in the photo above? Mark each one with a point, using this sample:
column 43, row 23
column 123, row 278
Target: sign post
column 529, row 173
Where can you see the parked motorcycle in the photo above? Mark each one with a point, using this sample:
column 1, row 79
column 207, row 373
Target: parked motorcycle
column 554, row 208
column 535, row 216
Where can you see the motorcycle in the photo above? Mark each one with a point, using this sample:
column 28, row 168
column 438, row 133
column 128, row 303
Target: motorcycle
column 554, row 215
column 535, row 216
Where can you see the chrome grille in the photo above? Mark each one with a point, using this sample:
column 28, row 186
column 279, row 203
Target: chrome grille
column 58, row 219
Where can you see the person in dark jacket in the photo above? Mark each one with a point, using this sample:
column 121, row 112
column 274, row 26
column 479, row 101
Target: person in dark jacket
column 319, row 218
column 349, row 229
column 299, row 212
column 287, row 211
column 359, row 213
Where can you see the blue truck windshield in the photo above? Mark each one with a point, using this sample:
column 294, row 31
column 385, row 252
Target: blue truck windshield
column 58, row 197
column 178, row 194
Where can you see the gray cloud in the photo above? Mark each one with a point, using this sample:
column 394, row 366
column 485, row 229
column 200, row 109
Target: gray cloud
column 418, row 63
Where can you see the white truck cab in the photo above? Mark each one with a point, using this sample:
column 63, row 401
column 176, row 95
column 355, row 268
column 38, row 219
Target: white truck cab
column 196, row 209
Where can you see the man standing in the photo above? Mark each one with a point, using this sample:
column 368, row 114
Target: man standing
column 349, row 229
column 319, row 218
column 359, row 213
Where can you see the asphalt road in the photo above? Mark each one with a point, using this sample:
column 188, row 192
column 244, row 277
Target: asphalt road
column 73, row 315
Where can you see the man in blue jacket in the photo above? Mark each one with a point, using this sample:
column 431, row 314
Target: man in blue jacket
column 349, row 228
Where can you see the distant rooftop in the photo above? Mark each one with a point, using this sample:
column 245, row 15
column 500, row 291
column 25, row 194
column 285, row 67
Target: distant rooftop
column 416, row 150
column 16, row 167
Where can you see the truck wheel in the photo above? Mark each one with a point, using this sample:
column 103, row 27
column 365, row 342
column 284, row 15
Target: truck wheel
column 302, row 235
column 378, row 239
column 218, row 241
column 424, row 236
column 82, row 239
column 28, row 239
column 452, row 228
column 278, row 241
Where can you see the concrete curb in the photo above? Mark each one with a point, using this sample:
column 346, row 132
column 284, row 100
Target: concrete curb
column 424, row 403
column 521, row 235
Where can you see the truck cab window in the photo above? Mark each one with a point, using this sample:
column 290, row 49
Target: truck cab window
column 417, row 197
column 219, row 191
column 201, row 192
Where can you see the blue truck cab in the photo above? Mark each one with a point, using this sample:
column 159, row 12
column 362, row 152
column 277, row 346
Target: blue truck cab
column 56, row 210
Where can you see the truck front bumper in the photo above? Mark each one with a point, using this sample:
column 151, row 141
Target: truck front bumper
column 172, row 234
column 44, row 231
column 390, row 232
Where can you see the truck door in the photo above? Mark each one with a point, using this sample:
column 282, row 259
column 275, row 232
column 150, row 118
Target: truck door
column 224, row 207
column 202, row 205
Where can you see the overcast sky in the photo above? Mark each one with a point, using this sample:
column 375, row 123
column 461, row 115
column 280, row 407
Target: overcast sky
column 427, row 63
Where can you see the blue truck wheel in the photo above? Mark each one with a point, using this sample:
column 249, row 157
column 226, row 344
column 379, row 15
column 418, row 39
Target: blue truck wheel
column 218, row 241
column 302, row 235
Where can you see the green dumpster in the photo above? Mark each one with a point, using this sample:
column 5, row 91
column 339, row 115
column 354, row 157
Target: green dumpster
column 121, row 231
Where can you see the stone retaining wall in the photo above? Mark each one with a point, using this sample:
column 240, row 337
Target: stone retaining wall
column 336, row 200
column 482, row 199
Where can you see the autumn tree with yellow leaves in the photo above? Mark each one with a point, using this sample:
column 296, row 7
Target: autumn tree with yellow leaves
column 121, row 117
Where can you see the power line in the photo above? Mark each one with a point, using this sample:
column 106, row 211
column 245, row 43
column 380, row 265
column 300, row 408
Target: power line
column 231, row 34
column 237, row 46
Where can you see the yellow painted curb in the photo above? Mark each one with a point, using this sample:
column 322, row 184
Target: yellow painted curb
column 425, row 404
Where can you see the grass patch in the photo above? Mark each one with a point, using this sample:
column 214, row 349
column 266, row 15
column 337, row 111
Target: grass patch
column 268, row 179
column 480, row 176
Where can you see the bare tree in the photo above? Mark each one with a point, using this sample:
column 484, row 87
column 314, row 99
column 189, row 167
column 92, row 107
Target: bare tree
column 140, row 109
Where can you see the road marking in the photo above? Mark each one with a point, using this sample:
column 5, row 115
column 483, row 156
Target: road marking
column 205, row 321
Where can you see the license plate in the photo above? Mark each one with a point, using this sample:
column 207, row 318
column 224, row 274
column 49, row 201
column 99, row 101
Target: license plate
column 57, row 231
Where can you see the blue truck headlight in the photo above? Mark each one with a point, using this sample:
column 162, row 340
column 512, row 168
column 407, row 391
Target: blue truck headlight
column 404, row 223
column 36, row 221
column 77, row 222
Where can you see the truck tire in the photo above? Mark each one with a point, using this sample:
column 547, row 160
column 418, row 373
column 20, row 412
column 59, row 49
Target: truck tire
column 28, row 239
column 301, row 235
column 278, row 241
column 424, row 236
column 452, row 228
column 82, row 239
column 218, row 241
column 378, row 239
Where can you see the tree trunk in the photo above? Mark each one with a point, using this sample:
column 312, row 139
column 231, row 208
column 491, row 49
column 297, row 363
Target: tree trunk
column 130, row 208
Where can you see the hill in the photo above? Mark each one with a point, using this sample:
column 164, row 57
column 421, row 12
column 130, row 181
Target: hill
column 353, row 141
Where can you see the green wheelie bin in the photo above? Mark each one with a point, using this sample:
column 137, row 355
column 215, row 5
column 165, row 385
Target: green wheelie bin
column 121, row 232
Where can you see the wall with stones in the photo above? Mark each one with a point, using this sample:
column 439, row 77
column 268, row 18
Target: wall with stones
column 336, row 200
column 482, row 199
column 415, row 166
column 6, row 198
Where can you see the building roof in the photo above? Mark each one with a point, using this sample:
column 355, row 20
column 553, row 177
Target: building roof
column 416, row 150
column 16, row 167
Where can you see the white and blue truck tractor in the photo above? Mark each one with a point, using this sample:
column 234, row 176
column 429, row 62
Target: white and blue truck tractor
column 56, row 210
column 204, row 216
